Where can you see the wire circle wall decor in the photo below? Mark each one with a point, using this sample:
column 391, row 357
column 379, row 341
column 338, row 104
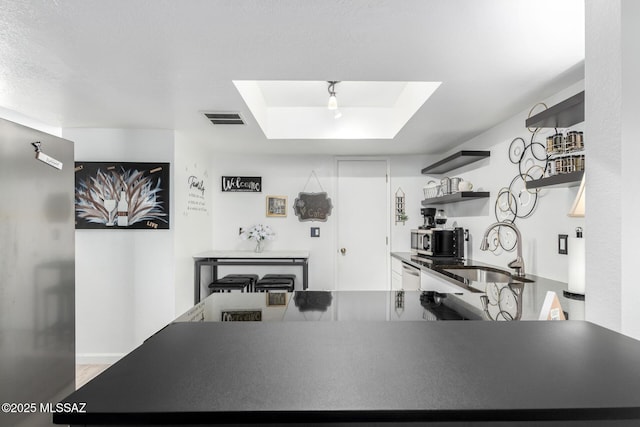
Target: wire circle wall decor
column 502, row 302
column 516, row 200
column 513, row 202
column 516, row 150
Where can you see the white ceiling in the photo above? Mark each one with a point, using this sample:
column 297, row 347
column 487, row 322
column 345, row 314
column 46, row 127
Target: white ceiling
column 160, row 63
column 286, row 109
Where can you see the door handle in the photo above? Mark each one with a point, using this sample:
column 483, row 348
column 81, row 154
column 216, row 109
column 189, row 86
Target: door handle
column 411, row 271
column 343, row 251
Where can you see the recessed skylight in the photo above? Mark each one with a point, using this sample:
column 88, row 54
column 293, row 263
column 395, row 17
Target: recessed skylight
column 287, row 109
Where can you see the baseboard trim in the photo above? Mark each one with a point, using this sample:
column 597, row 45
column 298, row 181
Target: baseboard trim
column 98, row 358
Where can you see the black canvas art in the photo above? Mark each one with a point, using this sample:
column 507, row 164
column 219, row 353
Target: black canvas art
column 122, row 195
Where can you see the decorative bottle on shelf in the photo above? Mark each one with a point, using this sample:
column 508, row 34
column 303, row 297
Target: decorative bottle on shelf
column 123, row 210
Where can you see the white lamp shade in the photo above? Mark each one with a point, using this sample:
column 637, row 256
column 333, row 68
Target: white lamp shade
column 578, row 208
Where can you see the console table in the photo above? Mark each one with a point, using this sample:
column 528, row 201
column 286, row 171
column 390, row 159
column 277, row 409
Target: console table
column 215, row 258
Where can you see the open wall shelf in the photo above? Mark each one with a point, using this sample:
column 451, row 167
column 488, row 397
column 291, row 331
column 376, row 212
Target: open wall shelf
column 455, row 161
column 562, row 180
column 562, row 115
column 460, row 196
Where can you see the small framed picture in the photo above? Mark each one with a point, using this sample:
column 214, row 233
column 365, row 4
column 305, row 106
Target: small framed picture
column 276, row 299
column 277, row 206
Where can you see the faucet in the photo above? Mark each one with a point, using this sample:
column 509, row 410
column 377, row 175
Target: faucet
column 518, row 263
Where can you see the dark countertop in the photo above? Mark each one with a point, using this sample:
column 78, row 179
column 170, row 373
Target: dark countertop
column 323, row 372
column 468, row 299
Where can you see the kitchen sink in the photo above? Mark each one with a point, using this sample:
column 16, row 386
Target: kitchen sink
column 485, row 274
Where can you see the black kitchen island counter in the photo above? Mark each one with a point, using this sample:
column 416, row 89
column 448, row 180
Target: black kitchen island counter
column 526, row 373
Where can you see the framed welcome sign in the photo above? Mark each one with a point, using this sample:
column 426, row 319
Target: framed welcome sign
column 242, row 184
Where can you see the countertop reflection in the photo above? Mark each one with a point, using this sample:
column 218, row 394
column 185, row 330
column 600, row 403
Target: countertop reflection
column 323, row 306
column 467, row 299
column 464, row 301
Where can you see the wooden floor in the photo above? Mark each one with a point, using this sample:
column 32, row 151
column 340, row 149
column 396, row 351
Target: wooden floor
column 85, row 373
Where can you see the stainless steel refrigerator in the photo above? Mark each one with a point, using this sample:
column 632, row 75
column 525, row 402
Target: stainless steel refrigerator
column 37, row 274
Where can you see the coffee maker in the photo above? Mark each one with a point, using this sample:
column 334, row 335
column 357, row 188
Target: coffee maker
column 428, row 215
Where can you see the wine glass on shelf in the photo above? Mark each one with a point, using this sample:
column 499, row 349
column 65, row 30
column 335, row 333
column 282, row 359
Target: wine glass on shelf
column 441, row 218
column 110, row 206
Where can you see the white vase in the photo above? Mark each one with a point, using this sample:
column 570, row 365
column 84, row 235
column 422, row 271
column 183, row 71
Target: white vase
column 259, row 246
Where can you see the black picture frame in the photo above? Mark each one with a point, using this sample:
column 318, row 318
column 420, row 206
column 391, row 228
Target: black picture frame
column 241, row 184
column 99, row 184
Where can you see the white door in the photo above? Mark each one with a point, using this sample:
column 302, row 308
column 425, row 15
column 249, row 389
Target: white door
column 363, row 225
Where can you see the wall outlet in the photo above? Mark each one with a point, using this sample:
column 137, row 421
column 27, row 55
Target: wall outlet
column 315, row 231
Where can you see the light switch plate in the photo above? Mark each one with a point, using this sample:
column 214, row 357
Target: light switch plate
column 315, row 231
column 562, row 244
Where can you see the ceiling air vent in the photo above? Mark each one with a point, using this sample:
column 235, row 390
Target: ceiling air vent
column 225, row 118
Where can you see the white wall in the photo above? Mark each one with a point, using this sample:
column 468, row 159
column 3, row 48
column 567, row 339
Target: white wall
column 124, row 278
column 603, row 115
column 281, row 176
column 193, row 213
column 539, row 231
column 630, row 155
column 612, row 111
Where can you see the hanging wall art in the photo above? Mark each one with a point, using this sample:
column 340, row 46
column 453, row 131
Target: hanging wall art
column 197, row 191
column 400, row 207
column 122, row 195
column 517, row 201
column 312, row 206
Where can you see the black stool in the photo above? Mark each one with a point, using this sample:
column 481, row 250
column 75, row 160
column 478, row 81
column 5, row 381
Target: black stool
column 234, row 282
column 252, row 277
column 276, row 282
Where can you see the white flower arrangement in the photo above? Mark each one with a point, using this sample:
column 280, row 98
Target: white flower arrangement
column 258, row 233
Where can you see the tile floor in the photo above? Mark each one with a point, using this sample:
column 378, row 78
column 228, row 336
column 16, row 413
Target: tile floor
column 85, row 373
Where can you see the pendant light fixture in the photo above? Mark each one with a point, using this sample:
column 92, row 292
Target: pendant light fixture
column 333, row 101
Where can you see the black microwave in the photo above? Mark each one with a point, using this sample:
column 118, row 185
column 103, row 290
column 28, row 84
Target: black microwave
column 437, row 242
